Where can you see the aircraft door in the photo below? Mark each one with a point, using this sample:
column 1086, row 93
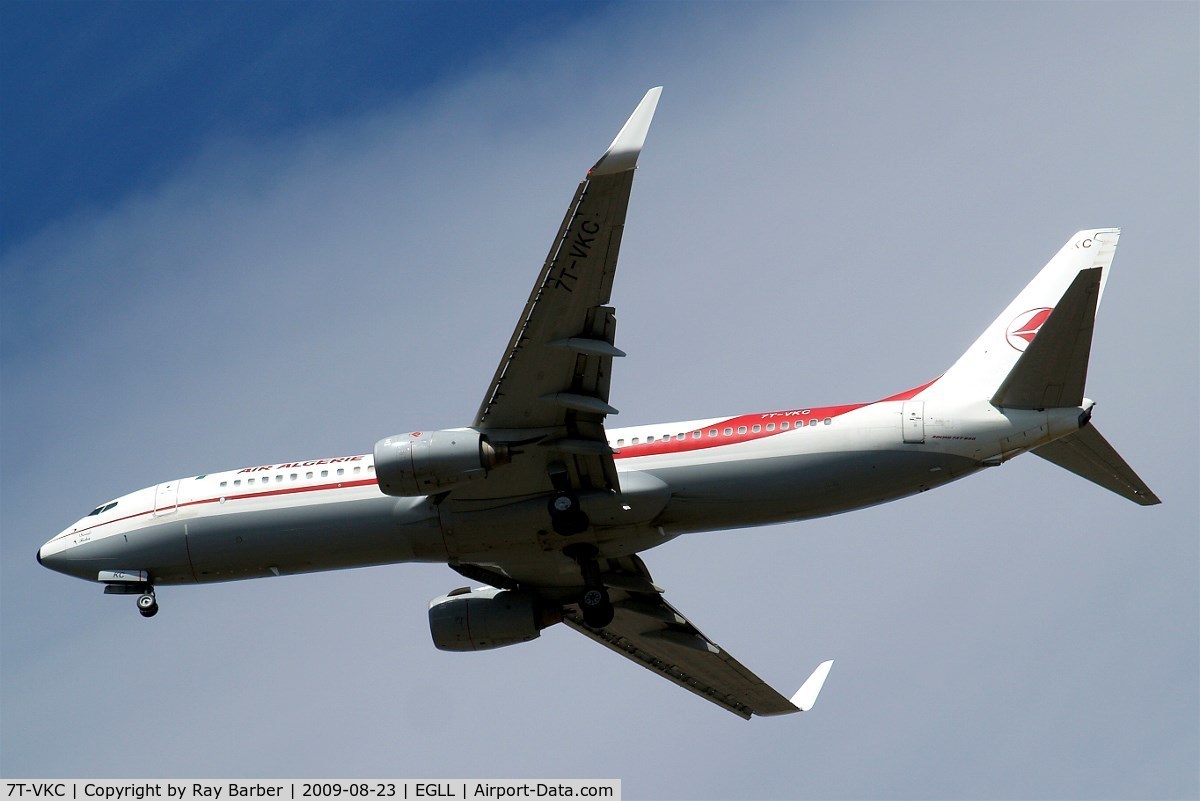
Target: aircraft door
column 166, row 498
column 912, row 415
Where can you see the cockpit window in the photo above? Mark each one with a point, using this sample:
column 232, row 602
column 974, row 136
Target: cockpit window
column 102, row 508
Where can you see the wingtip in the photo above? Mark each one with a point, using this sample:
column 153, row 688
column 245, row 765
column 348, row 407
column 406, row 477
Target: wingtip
column 623, row 153
column 806, row 697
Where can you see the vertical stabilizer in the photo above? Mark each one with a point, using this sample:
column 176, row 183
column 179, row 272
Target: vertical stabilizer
column 1052, row 371
column 1073, row 280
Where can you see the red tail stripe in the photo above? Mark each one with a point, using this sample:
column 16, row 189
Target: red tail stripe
column 796, row 418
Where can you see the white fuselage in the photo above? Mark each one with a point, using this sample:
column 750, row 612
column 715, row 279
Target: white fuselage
column 676, row 478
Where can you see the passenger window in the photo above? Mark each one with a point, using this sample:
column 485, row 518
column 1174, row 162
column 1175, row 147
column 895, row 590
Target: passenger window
column 784, row 426
column 308, row 474
column 324, row 474
column 712, row 432
column 695, row 435
column 827, row 420
column 292, row 477
column 224, row 484
column 250, row 481
column 741, row 429
column 279, row 477
column 812, row 422
column 634, row 441
column 620, row 442
column 649, row 439
column 727, row 432
column 341, row 471
column 756, row 429
column 237, row 482
column 770, row 426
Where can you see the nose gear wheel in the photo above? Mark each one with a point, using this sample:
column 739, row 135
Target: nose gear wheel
column 147, row 604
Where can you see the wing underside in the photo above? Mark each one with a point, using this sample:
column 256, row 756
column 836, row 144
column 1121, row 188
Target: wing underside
column 677, row 651
column 551, row 388
column 651, row 632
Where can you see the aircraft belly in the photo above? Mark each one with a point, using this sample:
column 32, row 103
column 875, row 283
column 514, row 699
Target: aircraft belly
column 481, row 531
column 797, row 487
column 266, row 542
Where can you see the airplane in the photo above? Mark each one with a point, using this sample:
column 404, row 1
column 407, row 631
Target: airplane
column 549, row 508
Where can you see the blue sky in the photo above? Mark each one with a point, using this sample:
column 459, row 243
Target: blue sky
column 104, row 97
column 247, row 233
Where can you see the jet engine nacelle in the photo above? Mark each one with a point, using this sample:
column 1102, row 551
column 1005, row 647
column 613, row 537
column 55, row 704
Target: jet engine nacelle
column 425, row 462
column 476, row 620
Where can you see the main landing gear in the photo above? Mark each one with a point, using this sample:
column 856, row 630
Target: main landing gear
column 594, row 603
column 566, row 518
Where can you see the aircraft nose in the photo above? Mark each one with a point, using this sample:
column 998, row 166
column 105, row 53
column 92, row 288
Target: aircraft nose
column 51, row 559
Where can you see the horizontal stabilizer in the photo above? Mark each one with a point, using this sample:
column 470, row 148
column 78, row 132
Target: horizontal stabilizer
column 1085, row 453
column 1053, row 369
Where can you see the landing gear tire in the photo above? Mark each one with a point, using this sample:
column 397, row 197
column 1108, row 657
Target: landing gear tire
column 147, row 604
column 597, row 609
column 566, row 518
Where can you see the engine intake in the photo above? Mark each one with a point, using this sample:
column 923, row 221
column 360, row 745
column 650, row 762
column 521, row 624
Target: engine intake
column 476, row 620
column 421, row 463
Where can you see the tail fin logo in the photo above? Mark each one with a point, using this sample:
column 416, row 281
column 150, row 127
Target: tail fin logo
column 1025, row 327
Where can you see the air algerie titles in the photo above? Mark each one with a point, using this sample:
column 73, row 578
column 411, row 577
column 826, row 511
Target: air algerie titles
column 267, row 467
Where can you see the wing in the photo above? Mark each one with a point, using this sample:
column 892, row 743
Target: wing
column 547, row 404
column 551, row 387
column 657, row 636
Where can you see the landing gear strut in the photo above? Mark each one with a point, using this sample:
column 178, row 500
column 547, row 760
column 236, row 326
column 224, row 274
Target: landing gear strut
column 147, row 604
column 597, row 609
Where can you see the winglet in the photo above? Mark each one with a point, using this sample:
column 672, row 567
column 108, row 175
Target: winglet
column 623, row 153
column 806, row 696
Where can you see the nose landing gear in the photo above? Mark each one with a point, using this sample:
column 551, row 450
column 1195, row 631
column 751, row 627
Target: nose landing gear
column 147, row 604
column 132, row 582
